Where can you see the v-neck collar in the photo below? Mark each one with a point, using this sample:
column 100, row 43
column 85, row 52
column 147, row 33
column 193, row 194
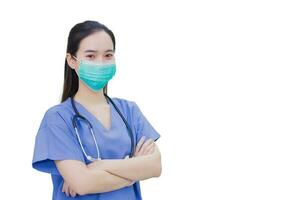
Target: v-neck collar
column 86, row 113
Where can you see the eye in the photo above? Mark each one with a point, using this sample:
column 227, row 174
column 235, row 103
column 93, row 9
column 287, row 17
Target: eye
column 90, row 56
column 109, row 55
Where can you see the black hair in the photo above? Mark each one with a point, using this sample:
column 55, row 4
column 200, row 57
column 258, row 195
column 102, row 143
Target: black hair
column 77, row 33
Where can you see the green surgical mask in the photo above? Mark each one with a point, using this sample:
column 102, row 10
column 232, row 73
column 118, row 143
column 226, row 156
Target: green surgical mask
column 95, row 75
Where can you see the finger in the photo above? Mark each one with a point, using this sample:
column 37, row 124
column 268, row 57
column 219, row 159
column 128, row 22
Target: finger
column 148, row 142
column 63, row 187
column 149, row 148
column 152, row 151
column 139, row 146
column 67, row 191
column 143, row 148
column 140, row 143
column 131, row 183
column 73, row 194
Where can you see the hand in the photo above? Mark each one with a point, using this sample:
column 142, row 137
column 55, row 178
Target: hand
column 144, row 147
column 66, row 188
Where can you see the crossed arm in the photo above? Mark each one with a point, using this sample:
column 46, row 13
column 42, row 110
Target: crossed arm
column 108, row 175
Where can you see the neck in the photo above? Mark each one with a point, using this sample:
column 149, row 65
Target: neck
column 86, row 96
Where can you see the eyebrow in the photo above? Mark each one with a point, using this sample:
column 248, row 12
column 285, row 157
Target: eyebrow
column 94, row 51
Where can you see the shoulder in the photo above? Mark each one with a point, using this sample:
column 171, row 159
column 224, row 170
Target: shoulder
column 124, row 102
column 128, row 106
column 53, row 114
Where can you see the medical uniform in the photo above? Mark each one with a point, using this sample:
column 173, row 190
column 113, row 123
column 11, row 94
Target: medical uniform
column 56, row 140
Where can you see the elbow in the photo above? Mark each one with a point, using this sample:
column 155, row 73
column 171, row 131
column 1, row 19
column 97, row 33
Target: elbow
column 158, row 169
column 158, row 165
column 157, row 173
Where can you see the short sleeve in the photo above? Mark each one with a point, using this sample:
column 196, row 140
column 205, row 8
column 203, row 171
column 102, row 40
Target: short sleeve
column 142, row 125
column 54, row 141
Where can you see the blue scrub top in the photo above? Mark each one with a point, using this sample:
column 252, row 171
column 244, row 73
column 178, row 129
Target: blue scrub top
column 56, row 140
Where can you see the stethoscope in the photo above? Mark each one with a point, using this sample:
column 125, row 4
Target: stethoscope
column 78, row 117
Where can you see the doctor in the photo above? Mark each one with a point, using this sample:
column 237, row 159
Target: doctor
column 82, row 141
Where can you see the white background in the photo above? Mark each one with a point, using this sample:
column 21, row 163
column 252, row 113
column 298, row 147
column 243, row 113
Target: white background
column 219, row 80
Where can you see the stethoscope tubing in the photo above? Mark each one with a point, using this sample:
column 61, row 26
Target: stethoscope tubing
column 78, row 115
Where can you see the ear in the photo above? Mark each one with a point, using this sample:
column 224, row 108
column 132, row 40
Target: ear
column 71, row 61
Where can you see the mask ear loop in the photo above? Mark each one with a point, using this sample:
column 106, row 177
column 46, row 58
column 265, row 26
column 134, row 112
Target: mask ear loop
column 79, row 62
column 75, row 58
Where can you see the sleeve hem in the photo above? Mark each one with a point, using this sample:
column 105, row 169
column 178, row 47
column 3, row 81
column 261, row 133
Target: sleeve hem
column 48, row 165
column 156, row 138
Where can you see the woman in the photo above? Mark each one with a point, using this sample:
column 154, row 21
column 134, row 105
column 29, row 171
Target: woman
column 95, row 147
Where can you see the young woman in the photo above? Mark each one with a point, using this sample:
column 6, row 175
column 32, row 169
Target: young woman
column 94, row 146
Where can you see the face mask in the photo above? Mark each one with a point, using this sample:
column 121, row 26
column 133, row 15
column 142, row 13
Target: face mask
column 95, row 75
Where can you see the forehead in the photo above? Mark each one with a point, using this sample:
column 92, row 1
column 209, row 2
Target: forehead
column 99, row 41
